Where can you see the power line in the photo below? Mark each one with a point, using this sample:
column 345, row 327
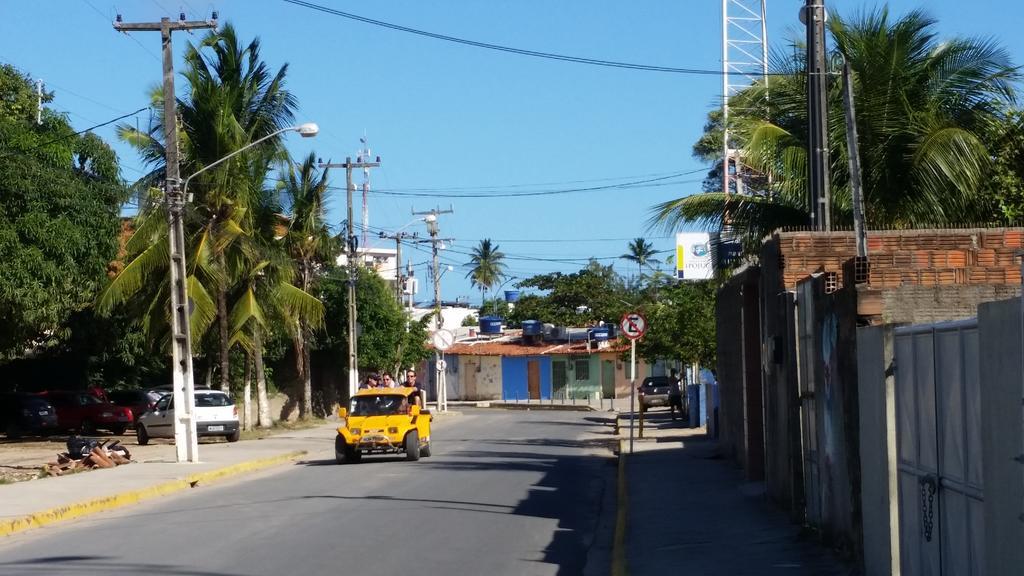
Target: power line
column 73, row 134
column 107, row 19
column 648, row 183
column 560, row 183
column 500, row 48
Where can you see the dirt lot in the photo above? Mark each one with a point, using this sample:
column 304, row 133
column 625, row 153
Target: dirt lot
column 22, row 460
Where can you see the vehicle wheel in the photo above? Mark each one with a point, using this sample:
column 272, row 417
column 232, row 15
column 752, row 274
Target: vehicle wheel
column 343, row 453
column 234, row 436
column 425, row 450
column 412, row 446
column 88, row 428
column 141, row 435
column 118, row 430
column 13, row 431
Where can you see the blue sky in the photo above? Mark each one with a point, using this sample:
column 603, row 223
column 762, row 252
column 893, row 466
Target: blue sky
column 446, row 116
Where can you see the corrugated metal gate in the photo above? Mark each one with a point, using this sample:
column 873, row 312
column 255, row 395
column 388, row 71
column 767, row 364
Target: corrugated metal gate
column 938, row 419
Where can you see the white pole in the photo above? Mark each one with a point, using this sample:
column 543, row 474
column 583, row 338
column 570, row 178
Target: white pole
column 632, row 390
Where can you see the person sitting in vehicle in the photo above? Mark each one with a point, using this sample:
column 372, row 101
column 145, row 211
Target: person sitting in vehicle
column 370, row 382
column 388, row 381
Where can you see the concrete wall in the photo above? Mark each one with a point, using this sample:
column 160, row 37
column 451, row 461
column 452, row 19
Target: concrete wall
column 479, row 378
column 930, row 304
column 738, row 333
column 878, row 490
column 1001, row 343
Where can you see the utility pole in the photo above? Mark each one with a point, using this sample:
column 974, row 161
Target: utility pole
column 431, row 220
column 351, row 246
column 853, row 151
column 398, row 237
column 820, row 198
column 183, row 387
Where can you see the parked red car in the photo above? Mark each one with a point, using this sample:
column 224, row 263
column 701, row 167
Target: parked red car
column 86, row 413
column 138, row 401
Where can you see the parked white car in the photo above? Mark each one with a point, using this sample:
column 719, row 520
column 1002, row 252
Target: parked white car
column 216, row 415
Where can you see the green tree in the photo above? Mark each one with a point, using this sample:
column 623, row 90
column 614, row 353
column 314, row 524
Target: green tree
column 487, row 268
column 311, row 246
column 1006, row 179
column 60, row 195
column 231, row 98
column 595, row 293
column 681, row 323
column 388, row 339
column 923, row 104
column 639, row 251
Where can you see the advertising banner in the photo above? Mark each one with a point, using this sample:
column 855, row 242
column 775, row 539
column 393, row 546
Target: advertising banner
column 693, row 256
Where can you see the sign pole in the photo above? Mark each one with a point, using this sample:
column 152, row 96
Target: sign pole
column 632, row 390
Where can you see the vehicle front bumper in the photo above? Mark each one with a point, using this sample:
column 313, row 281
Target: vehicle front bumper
column 654, row 399
column 222, row 428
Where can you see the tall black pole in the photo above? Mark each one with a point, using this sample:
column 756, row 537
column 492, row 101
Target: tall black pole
column 819, row 198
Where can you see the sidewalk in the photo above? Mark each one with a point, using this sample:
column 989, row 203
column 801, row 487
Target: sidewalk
column 35, row 503
column 690, row 512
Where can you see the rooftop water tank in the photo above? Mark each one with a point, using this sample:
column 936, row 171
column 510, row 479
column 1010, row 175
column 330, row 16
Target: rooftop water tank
column 511, row 295
column 599, row 334
column 490, row 324
column 532, row 328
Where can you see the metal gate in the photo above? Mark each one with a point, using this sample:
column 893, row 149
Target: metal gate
column 938, row 435
column 807, row 358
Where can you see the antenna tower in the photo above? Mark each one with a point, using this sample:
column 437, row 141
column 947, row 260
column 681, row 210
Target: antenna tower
column 744, row 62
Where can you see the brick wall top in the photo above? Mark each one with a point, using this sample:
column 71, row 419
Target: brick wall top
column 979, row 256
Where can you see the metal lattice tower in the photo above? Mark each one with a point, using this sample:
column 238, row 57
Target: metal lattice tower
column 744, row 62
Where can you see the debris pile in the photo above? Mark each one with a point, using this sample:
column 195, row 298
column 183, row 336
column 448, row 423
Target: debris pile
column 87, row 454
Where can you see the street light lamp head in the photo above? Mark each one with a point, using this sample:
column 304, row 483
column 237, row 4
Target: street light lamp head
column 430, row 218
column 307, row 130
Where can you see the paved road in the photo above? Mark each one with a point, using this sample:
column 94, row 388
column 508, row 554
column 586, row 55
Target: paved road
column 505, row 493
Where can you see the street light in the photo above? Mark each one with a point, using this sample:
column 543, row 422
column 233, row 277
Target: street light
column 307, row 130
column 184, row 421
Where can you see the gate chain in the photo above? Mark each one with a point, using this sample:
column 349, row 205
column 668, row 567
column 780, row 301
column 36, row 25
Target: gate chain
column 927, row 506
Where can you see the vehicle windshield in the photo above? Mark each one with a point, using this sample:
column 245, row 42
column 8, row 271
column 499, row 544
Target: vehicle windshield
column 658, row 382
column 380, row 405
column 213, row 400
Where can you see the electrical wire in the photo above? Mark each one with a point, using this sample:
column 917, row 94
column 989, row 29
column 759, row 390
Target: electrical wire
column 647, row 183
column 73, row 134
column 509, row 49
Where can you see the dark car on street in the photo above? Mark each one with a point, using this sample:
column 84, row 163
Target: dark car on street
column 138, row 401
column 85, row 413
column 26, row 414
column 658, row 391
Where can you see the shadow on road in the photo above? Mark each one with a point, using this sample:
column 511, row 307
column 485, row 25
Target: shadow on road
column 99, row 565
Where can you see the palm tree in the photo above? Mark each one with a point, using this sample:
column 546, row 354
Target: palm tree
column 231, row 99
column 640, row 251
column 921, row 104
column 487, row 267
column 310, row 244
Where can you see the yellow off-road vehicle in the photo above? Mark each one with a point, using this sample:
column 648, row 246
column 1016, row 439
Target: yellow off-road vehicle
column 383, row 421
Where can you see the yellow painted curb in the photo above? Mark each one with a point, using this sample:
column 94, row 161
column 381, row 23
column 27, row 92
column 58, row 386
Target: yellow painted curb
column 89, row 507
column 621, row 508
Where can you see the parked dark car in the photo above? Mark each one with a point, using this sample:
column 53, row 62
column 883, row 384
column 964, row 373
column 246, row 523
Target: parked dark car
column 22, row 414
column 86, row 413
column 657, row 391
column 138, row 401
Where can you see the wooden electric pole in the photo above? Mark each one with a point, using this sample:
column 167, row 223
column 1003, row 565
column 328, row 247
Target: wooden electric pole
column 853, row 151
column 351, row 247
column 183, row 387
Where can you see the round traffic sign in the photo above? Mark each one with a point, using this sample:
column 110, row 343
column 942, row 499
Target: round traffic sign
column 442, row 339
column 633, row 325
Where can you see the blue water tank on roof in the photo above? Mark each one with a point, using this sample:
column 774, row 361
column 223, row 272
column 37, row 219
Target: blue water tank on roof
column 511, row 295
column 532, row 328
column 490, row 324
column 600, row 334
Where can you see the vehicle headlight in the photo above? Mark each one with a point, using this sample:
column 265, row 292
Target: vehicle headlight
column 356, row 431
column 107, row 415
column 393, row 430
